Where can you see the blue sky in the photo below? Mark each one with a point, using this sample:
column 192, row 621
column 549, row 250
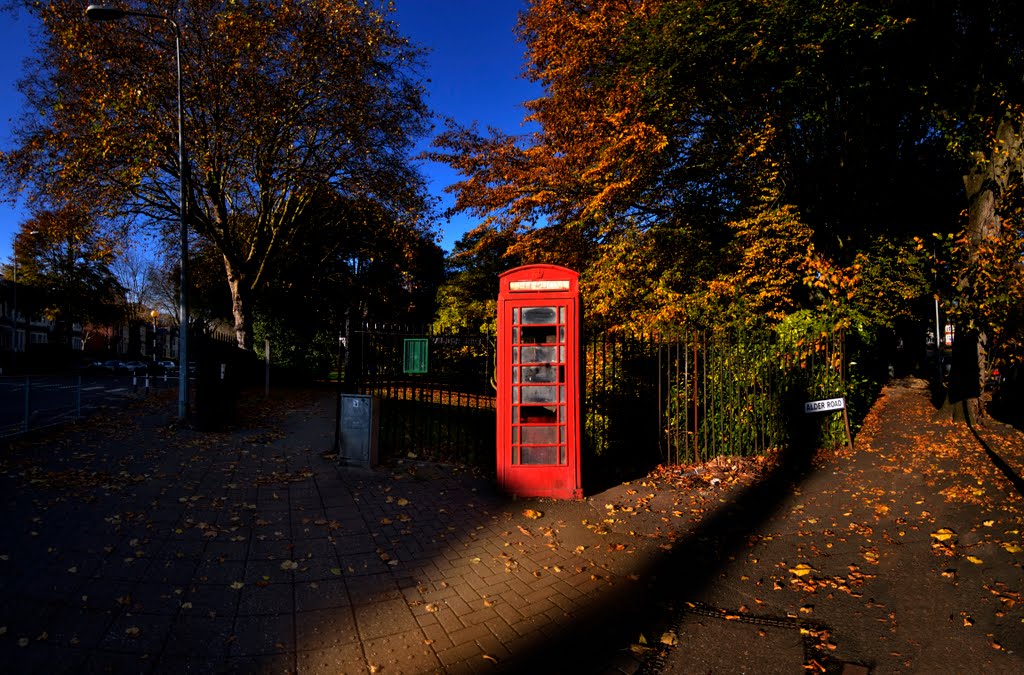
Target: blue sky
column 474, row 65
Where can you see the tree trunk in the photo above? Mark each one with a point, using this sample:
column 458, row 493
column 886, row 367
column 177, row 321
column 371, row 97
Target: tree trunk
column 985, row 185
column 239, row 286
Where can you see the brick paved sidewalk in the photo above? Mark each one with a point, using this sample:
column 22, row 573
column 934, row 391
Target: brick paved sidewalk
column 130, row 547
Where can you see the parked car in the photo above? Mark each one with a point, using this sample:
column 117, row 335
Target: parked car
column 111, row 366
column 166, row 366
column 135, row 367
column 87, row 364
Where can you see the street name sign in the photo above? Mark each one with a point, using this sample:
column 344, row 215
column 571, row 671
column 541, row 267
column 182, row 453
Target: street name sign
column 825, row 405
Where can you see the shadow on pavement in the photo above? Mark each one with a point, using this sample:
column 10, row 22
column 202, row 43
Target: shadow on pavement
column 999, row 462
column 617, row 618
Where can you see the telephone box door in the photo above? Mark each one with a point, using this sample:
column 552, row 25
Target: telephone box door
column 538, row 382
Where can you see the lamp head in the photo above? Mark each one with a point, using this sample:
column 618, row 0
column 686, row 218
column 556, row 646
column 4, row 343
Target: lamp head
column 104, row 13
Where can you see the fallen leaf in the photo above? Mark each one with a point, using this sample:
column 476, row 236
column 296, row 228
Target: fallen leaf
column 532, row 514
column 289, row 565
column 975, row 560
column 803, row 569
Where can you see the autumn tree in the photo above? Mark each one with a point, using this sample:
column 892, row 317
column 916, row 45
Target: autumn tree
column 986, row 261
column 358, row 263
column 283, row 100
column 467, row 300
column 69, row 265
column 975, row 95
column 687, row 151
column 652, row 153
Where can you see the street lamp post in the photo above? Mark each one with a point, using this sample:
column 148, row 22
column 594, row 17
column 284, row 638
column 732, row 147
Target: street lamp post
column 105, row 13
column 154, row 314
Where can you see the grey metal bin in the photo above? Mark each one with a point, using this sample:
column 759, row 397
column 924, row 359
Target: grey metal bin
column 358, row 432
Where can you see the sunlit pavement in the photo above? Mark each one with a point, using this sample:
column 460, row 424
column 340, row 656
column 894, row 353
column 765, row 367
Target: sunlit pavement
column 132, row 546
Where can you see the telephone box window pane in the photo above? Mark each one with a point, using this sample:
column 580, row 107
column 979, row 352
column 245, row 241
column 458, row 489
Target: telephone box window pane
column 561, row 354
column 561, row 333
column 538, row 355
column 515, row 435
column 515, row 454
column 540, row 373
column 561, row 454
column 535, row 315
column 515, row 375
column 515, row 335
column 538, row 414
column 515, row 394
column 540, row 394
column 538, row 335
column 540, row 455
column 546, row 435
column 515, row 315
column 561, row 315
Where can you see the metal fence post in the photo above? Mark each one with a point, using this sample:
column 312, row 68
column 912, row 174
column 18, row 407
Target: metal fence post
column 28, row 384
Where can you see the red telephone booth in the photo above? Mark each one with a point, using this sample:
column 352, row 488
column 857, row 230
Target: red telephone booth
column 539, row 382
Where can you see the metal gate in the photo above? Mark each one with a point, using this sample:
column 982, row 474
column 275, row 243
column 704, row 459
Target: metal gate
column 435, row 388
column 647, row 399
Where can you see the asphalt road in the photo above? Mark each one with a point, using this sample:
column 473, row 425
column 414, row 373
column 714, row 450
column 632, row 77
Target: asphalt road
column 56, row 398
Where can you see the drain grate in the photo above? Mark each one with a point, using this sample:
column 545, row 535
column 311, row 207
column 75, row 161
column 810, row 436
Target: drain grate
column 813, row 635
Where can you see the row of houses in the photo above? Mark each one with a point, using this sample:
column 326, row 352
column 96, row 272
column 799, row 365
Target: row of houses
column 32, row 343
